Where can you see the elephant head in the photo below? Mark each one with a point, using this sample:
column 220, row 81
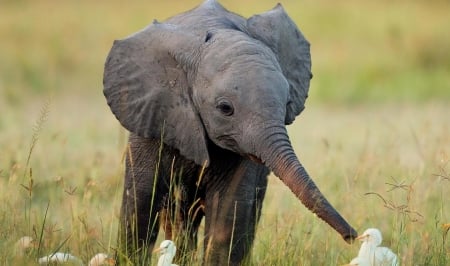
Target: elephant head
column 210, row 76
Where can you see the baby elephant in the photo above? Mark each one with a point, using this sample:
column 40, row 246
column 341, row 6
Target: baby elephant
column 206, row 96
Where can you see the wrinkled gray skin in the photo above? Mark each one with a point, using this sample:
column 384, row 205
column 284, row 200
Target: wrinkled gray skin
column 218, row 90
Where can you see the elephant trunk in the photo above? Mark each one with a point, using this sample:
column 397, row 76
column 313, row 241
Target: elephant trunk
column 279, row 156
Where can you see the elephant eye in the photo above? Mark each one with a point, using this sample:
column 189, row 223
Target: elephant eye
column 225, row 107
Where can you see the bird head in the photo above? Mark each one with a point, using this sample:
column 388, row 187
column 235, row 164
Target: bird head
column 167, row 252
column 166, row 247
column 101, row 259
column 371, row 236
column 25, row 244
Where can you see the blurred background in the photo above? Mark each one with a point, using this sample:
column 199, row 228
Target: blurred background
column 377, row 121
column 362, row 51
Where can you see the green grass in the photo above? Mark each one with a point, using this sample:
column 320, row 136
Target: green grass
column 374, row 136
column 385, row 167
column 363, row 51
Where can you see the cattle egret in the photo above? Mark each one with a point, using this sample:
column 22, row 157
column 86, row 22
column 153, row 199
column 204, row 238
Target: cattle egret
column 24, row 245
column 370, row 253
column 101, row 259
column 359, row 262
column 58, row 258
column 167, row 251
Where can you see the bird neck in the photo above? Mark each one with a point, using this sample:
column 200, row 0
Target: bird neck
column 366, row 250
column 165, row 260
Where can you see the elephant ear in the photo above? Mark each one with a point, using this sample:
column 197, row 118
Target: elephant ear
column 275, row 29
column 145, row 84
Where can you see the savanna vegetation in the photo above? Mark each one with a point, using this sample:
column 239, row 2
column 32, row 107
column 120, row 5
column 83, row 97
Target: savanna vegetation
column 375, row 135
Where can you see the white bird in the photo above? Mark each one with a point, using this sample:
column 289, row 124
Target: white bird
column 24, row 245
column 59, row 258
column 167, row 251
column 101, row 259
column 359, row 262
column 66, row 258
column 371, row 254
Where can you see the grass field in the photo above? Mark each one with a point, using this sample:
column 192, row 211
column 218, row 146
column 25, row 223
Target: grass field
column 375, row 135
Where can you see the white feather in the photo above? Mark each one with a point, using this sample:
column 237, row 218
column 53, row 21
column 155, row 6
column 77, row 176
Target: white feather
column 370, row 254
column 60, row 257
column 167, row 251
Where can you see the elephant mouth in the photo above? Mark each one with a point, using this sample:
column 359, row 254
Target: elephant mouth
column 255, row 159
column 228, row 142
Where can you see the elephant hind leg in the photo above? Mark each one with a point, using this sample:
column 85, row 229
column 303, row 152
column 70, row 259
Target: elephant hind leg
column 181, row 218
column 166, row 224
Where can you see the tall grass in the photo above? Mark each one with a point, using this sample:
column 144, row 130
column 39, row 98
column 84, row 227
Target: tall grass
column 384, row 167
column 57, row 200
column 375, row 135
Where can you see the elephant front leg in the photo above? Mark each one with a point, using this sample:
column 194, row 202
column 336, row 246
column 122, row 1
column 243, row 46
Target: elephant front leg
column 139, row 226
column 232, row 211
column 142, row 197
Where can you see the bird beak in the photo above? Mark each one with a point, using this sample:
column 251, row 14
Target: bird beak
column 156, row 250
column 34, row 244
column 361, row 237
column 446, row 226
column 110, row 261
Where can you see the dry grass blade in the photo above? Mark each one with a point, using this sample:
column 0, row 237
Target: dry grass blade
column 403, row 208
column 37, row 128
column 444, row 175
